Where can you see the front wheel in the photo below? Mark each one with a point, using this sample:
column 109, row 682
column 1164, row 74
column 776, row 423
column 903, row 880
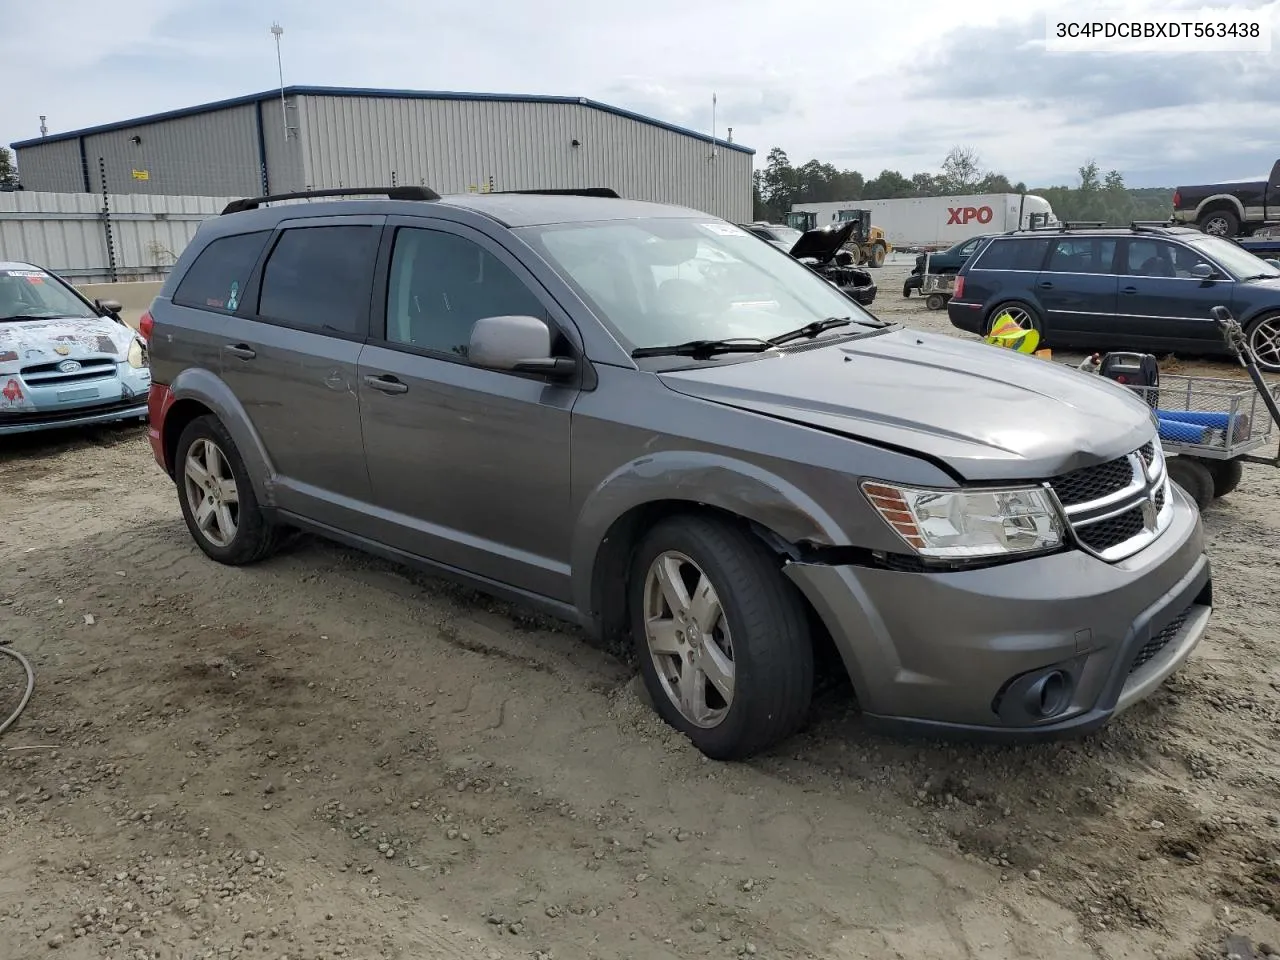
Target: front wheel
column 878, row 255
column 1263, row 338
column 217, row 497
column 722, row 637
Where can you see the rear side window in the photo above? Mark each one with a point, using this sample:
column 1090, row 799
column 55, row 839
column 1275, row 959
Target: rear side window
column 1082, row 255
column 318, row 278
column 217, row 278
column 1013, row 254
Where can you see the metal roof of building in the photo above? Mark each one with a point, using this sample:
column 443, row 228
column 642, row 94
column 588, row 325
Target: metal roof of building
column 379, row 94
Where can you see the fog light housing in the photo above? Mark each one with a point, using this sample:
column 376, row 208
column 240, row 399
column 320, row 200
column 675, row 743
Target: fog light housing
column 1037, row 696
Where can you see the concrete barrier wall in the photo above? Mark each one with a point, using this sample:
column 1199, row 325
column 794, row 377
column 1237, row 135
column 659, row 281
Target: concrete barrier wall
column 133, row 297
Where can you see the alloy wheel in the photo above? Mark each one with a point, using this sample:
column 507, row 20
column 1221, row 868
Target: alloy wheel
column 211, row 492
column 688, row 639
column 1264, row 342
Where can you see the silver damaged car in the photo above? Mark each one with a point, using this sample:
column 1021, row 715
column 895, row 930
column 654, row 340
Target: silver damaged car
column 64, row 361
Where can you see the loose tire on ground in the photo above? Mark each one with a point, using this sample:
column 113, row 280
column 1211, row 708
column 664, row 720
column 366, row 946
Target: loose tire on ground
column 203, row 443
column 1193, row 476
column 768, row 638
column 1226, row 474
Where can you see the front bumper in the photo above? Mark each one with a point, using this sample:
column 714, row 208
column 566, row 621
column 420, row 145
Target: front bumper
column 133, row 409
column 943, row 653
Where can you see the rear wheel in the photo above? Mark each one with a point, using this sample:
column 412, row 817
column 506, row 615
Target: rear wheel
column 1193, row 476
column 217, row 498
column 1226, row 474
column 1023, row 314
column 1219, row 223
column 722, row 637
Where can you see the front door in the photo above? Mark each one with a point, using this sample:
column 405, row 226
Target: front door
column 1077, row 290
column 469, row 467
column 290, row 359
column 1160, row 299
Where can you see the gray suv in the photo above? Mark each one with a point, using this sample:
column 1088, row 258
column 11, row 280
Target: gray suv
column 641, row 418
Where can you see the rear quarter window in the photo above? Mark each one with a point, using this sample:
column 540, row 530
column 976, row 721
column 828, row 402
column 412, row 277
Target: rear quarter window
column 220, row 273
column 1009, row 253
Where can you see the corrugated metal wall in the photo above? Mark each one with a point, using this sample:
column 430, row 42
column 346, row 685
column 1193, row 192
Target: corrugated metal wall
column 65, row 232
column 211, row 155
column 51, row 167
column 457, row 145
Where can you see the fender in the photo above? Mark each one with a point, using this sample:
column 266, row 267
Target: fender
column 1216, row 200
column 204, row 386
column 696, row 478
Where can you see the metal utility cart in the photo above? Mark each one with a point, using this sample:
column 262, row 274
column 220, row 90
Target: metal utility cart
column 937, row 289
column 1211, row 427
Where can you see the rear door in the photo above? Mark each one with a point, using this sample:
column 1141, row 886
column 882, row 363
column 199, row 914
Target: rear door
column 469, row 467
column 1077, row 289
column 1161, row 303
column 291, row 356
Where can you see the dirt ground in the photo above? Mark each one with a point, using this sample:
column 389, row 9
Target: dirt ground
column 326, row 756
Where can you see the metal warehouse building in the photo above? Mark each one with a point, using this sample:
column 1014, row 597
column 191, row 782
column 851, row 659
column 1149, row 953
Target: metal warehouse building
column 321, row 137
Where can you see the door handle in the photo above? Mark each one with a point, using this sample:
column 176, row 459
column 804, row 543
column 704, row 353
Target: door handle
column 386, row 384
column 1128, row 289
column 1045, row 285
column 240, row 350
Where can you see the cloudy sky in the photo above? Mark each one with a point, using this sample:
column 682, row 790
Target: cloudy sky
column 868, row 86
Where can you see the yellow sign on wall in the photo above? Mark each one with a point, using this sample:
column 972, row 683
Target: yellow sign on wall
column 142, row 174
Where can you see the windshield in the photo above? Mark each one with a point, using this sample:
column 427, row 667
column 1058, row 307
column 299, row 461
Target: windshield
column 660, row 281
column 34, row 295
column 1240, row 263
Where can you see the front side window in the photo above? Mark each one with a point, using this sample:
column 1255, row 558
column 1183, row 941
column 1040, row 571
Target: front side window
column 217, row 278
column 318, row 278
column 660, row 281
column 35, row 295
column 441, row 284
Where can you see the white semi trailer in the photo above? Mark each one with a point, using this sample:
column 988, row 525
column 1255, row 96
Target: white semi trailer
column 935, row 223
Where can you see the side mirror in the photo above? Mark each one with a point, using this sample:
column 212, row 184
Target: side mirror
column 1202, row 271
column 109, row 306
column 516, row 344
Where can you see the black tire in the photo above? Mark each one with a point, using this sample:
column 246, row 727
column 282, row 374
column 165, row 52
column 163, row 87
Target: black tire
column 255, row 538
column 878, row 254
column 1262, row 347
column 772, row 652
column 1037, row 322
column 1193, row 476
column 906, row 291
column 1226, row 474
column 935, row 301
column 1219, row 223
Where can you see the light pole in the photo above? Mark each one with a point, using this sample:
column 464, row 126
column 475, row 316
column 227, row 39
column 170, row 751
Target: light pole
column 276, row 31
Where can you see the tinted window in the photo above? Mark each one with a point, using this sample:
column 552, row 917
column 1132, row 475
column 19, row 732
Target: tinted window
column 218, row 276
column 441, row 284
column 1158, row 258
column 1011, row 254
column 318, row 278
column 1082, row 255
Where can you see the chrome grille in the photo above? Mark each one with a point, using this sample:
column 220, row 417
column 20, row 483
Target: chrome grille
column 1117, row 508
column 50, row 374
column 1160, row 640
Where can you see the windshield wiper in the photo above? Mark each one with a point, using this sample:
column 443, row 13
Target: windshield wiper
column 703, row 348
column 1260, row 276
column 810, row 330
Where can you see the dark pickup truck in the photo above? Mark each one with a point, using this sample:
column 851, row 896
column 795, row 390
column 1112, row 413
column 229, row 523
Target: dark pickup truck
column 1229, row 209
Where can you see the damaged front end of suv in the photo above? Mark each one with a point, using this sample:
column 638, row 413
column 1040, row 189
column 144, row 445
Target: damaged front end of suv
column 822, row 251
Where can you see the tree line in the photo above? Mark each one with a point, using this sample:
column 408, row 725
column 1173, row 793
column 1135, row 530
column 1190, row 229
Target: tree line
column 1097, row 196
column 8, row 173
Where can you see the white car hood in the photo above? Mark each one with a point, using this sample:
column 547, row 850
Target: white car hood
column 25, row 342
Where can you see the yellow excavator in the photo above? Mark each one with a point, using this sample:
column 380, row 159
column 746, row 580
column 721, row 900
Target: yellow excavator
column 868, row 242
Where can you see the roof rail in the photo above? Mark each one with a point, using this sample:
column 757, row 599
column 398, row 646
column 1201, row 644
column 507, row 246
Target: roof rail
column 571, row 192
column 392, row 193
column 1081, row 225
column 1149, row 226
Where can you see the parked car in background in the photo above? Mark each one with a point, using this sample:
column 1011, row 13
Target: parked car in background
column 823, row 251
column 64, row 361
column 1143, row 287
column 1230, row 208
column 730, row 470
column 944, row 261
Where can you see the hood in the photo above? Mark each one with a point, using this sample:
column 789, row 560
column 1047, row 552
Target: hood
column 823, row 244
column 988, row 413
column 24, row 342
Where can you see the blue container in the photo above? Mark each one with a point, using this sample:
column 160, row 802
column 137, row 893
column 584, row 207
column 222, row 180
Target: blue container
column 1177, row 431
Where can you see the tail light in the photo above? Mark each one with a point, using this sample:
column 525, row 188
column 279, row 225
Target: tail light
column 146, row 323
column 959, row 288
column 1177, row 199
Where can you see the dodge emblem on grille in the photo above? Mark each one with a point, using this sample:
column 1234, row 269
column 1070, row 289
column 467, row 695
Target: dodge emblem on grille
column 1149, row 512
column 69, row 366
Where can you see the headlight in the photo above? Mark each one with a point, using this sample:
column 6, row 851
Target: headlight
column 137, row 354
column 969, row 524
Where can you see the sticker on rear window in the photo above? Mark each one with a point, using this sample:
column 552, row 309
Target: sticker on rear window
column 34, row 275
column 724, row 229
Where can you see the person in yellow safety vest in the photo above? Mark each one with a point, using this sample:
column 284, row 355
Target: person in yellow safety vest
column 1005, row 332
